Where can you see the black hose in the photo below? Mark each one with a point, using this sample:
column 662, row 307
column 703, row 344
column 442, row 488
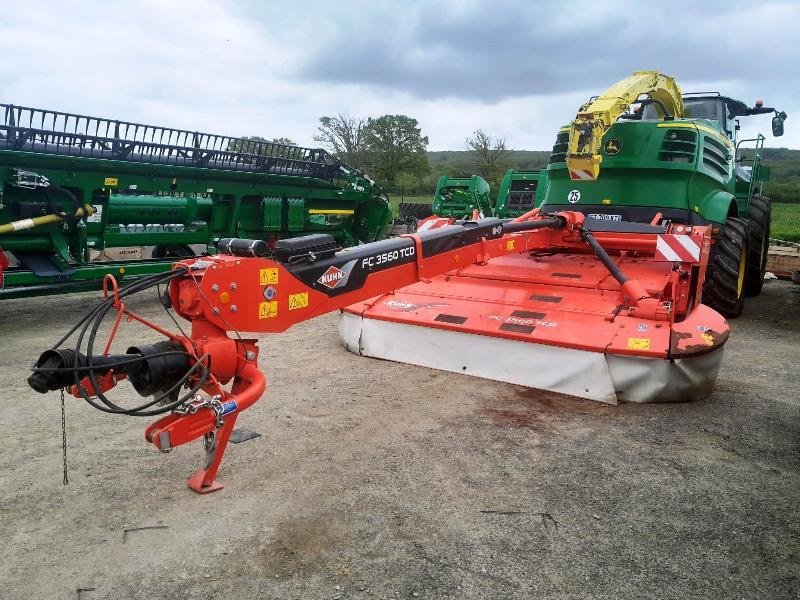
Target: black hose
column 553, row 221
column 603, row 256
column 51, row 206
column 139, row 410
column 83, row 364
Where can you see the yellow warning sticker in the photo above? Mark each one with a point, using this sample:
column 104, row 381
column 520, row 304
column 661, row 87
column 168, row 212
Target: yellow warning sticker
column 298, row 300
column 268, row 276
column 111, row 181
column 708, row 339
column 510, row 244
column 267, row 310
column 638, row 344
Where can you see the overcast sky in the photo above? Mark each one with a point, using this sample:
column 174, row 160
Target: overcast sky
column 514, row 69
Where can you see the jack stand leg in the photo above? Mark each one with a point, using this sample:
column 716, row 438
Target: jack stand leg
column 203, row 481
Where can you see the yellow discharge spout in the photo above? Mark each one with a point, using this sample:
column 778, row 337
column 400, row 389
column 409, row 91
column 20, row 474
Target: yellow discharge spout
column 596, row 117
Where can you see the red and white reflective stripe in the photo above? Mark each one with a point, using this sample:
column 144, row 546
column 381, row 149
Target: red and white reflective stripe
column 674, row 248
column 580, row 174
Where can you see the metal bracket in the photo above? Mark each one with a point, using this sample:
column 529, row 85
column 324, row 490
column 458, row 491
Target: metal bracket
column 29, row 180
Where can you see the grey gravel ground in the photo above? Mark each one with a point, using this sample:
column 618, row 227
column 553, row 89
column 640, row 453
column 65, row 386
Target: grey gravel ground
column 379, row 480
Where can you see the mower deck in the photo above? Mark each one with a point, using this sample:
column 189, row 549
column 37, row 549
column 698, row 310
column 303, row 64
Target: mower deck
column 552, row 322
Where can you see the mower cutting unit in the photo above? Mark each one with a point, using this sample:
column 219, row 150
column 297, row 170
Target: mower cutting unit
column 618, row 319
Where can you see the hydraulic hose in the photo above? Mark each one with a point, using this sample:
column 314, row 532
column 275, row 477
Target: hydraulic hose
column 554, row 222
column 59, row 368
column 84, row 211
column 603, row 256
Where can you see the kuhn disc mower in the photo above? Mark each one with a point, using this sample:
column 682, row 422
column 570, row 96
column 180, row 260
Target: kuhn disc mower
column 605, row 310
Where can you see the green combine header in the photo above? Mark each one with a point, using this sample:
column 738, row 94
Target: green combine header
column 82, row 197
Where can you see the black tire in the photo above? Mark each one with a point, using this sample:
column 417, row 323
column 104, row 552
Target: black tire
column 414, row 209
column 724, row 288
column 177, row 251
column 760, row 216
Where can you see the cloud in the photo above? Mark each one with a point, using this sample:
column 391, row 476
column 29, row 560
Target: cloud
column 516, row 69
column 492, row 51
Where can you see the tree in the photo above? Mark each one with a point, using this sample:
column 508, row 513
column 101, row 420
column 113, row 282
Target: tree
column 395, row 145
column 488, row 155
column 260, row 146
column 284, row 140
column 343, row 136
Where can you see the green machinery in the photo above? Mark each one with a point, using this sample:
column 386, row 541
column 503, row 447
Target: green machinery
column 520, row 192
column 458, row 197
column 73, row 187
column 642, row 152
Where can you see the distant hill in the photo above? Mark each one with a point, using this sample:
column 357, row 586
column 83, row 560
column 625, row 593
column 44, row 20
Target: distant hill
column 785, row 163
column 457, row 163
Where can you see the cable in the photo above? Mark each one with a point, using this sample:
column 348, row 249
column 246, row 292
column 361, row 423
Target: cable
column 87, row 328
column 139, row 410
column 169, row 314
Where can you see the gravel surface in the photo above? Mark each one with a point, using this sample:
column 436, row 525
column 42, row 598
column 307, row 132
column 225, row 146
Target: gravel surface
column 380, row 480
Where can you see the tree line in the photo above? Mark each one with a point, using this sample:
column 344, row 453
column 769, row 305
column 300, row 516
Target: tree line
column 393, row 150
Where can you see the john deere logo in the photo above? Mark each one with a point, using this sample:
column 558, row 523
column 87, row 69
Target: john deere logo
column 612, row 146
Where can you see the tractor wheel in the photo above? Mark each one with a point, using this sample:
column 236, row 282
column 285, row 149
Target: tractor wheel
column 724, row 288
column 758, row 243
column 414, row 209
column 177, row 251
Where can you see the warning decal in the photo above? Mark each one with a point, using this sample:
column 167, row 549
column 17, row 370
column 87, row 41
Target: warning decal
column 267, row 310
column 268, row 276
column 298, row 301
column 638, row 344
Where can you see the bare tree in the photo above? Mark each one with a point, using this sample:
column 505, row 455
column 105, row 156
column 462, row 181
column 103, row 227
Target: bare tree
column 344, row 137
column 488, row 155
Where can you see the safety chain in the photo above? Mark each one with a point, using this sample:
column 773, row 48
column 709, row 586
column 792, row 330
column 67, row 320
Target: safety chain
column 64, row 436
column 192, row 406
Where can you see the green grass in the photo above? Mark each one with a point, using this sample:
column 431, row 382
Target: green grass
column 786, row 222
